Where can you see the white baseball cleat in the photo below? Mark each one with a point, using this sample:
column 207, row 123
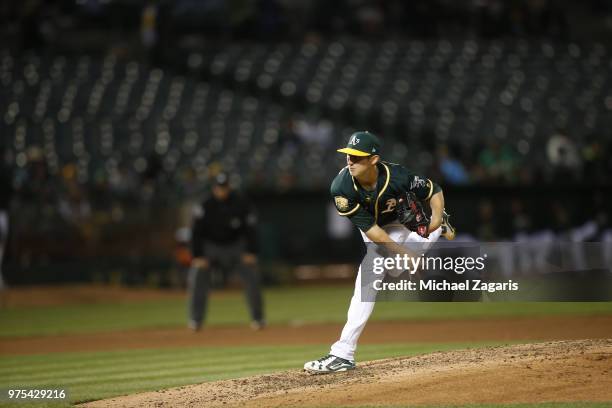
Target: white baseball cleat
column 329, row 364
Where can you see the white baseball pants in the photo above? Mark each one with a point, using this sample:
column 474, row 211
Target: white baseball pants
column 359, row 312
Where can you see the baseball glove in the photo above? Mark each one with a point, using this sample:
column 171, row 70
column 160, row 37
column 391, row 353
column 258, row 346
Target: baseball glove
column 411, row 214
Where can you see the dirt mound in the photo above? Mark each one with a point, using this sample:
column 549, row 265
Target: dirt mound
column 555, row 371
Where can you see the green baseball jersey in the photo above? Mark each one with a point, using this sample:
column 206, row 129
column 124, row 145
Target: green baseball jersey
column 366, row 208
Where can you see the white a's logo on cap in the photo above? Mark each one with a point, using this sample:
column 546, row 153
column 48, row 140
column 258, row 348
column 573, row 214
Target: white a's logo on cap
column 353, row 140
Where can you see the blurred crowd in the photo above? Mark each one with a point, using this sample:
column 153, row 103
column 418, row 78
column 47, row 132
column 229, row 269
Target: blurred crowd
column 520, row 209
column 518, row 218
column 66, row 208
column 57, row 217
column 130, row 218
column 42, row 22
column 267, row 18
column 563, row 162
column 546, row 235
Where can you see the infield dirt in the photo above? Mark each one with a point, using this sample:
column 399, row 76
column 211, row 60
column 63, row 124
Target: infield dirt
column 564, row 371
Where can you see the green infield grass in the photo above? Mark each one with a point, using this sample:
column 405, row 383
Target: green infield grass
column 283, row 306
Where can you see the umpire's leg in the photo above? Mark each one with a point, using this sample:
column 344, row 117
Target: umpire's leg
column 250, row 276
column 198, row 282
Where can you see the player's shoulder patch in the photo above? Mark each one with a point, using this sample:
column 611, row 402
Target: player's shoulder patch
column 342, row 203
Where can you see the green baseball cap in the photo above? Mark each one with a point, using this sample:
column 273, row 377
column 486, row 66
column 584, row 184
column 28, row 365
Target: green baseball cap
column 362, row 144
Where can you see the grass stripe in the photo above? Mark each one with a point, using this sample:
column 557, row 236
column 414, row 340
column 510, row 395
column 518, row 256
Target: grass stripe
column 161, row 375
column 66, row 374
column 284, row 306
column 29, row 363
column 140, row 357
column 149, row 359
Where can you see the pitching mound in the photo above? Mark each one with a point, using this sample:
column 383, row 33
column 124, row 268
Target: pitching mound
column 544, row 372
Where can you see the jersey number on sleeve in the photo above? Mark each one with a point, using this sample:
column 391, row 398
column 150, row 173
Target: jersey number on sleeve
column 391, row 203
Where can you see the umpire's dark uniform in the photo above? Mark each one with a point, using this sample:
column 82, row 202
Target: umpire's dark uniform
column 224, row 236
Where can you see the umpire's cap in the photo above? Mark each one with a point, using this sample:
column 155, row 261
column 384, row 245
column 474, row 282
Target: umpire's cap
column 362, row 144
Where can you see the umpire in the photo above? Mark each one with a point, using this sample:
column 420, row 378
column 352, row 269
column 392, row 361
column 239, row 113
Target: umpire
column 224, row 237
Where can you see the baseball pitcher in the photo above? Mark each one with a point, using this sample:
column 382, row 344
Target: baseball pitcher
column 384, row 201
